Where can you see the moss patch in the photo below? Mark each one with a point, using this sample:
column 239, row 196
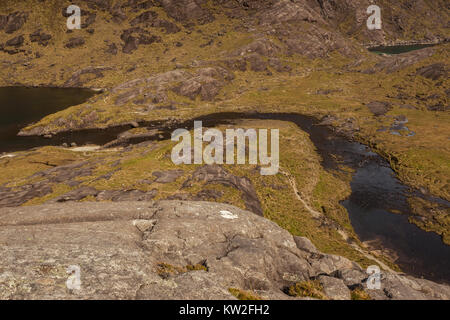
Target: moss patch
column 311, row 289
column 244, row 295
column 359, row 294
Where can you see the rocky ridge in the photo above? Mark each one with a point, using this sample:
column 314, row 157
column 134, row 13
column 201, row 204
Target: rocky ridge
column 172, row 250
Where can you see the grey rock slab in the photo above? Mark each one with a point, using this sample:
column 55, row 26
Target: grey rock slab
column 119, row 248
column 334, row 288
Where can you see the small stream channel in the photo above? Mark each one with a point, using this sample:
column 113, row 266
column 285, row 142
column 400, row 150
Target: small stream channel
column 376, row 194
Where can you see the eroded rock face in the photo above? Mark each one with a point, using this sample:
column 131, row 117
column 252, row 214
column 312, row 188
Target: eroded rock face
column 78, row 194
column 167, row 176
column 127, row 195
column 434, row 71
column 141, row 250
column 13, row 22
column 106, row 195
column 149, row 19
column 11, row 197
column 99, row 4
column 76, row 80
column 112, row 49
column 217, row 174
column 186, row 10
column 288, row 11
column 258, row 56
column 335, row 288
column 204, row 82
column 133, row 37
column 74, row 43
column 16, row 41
column 40, row 37
column 379, row 108
column 397, row 62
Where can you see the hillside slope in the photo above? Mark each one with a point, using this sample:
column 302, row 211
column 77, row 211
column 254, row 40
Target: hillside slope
column 162, row 63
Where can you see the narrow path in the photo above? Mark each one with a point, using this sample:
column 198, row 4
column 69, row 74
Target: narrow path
column 344, row 235
column 293, row 184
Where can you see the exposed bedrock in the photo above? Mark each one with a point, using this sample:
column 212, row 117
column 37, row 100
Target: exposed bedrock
column 171, row 250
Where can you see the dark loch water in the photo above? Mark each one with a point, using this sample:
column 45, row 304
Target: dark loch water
column 376, row 192
column 20, row 106
column 399, row 49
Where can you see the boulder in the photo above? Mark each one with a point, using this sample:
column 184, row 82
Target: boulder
column 13, row 22
column 305, row 244
column 216, row 174
column 77, row 79
column 329, row 264
column 186, row 10
column 379, row 108
column 167, row 176
column 434, row 71
column 334, row 288
column 74, row 43
column 133, row 37
column 351, row 277
column 16, row 41
column 40, row 37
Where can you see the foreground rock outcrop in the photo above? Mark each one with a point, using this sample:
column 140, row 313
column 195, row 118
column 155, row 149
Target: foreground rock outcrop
column 171, row 250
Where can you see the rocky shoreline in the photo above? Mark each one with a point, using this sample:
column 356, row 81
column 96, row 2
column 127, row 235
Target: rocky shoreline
column 394, row 43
